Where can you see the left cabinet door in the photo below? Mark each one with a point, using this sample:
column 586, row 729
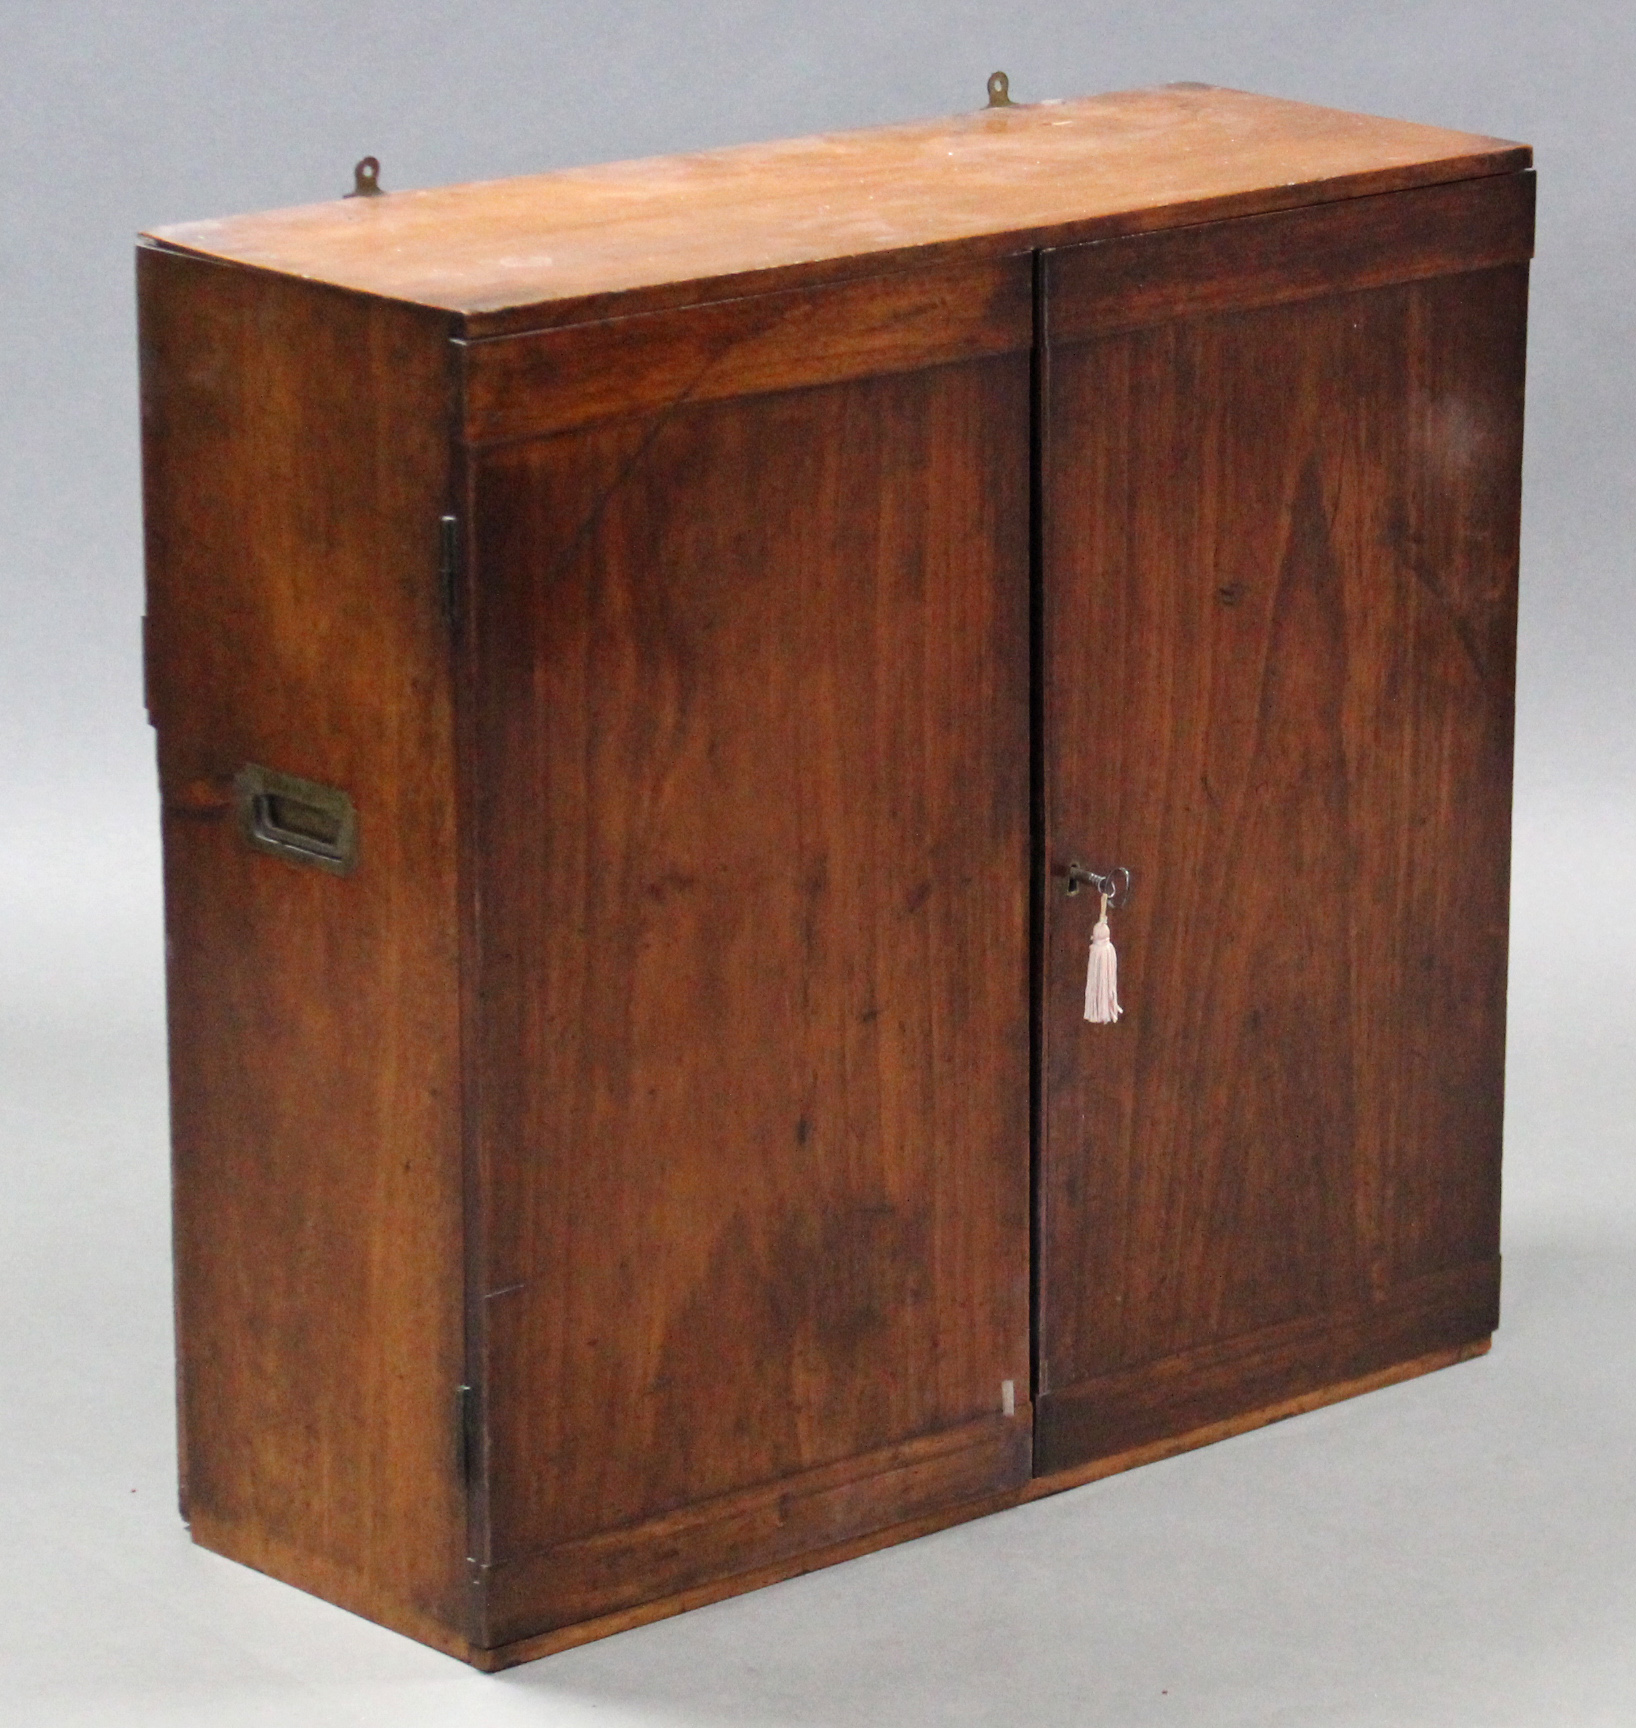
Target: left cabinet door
column 749, row 840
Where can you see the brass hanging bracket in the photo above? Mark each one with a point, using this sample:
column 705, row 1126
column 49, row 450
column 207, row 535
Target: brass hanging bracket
column 366, row 179
column 999, row 91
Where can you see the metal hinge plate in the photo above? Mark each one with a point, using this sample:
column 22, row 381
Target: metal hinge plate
column 466, row 1436
column 449, row 568
column 147, row 669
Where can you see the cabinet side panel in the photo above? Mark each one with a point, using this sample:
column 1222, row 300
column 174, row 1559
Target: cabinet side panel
column 295, row 465
column 754, row 841
column 1281, row 579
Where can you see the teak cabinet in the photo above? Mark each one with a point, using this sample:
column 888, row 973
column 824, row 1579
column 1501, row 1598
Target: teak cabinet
column 635, row 652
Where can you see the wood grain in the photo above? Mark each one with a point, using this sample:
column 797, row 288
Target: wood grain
column 556, row 380
column 295, row 460
column 1280, row 612
column 1275, row 260
column 587, row 242
column 752, row 817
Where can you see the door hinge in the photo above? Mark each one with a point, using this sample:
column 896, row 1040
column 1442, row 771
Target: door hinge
column 147, row 669
column 448, row 568
column 466, row 1435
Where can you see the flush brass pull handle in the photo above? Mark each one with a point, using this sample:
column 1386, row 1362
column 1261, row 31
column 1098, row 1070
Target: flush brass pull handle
column 297, row 819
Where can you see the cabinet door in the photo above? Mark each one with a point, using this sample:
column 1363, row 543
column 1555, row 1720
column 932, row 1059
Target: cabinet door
column 1280, row 479
column 750, row 843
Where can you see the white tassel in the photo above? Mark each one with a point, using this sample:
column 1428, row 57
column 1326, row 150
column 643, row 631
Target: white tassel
column 1102, row 975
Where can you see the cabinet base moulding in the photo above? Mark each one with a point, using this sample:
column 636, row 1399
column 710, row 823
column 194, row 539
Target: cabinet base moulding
column 721, row 1589
column 1187, row 1392
column 585, row 1580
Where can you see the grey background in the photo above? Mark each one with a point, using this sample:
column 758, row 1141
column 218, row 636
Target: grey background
column 1461, row 1549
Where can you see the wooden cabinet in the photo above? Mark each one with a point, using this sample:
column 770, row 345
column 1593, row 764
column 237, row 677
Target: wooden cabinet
column 634, row 654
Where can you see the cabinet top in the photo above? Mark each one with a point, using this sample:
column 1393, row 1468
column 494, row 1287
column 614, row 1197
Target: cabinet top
column 552, row 249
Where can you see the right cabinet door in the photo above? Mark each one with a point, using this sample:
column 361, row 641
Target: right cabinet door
column 1280, row 462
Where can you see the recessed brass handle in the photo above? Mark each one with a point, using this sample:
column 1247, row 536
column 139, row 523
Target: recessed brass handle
column 297, row 819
